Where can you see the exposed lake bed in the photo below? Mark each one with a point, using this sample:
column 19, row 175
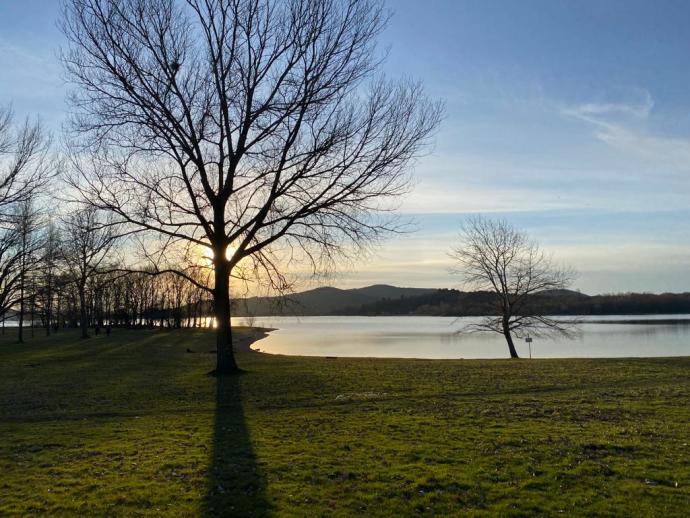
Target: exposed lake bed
column 611, row 336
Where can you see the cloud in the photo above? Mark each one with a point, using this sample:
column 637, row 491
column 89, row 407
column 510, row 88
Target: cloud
column 608, row 258
column 640, row 256
column 434, row 198
column 640, row 107
column 454, row 183
column 663, row 151
column 624, row 126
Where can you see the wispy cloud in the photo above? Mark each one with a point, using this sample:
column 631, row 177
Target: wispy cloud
column 625, row 126
column 434, row 198
column 22, row 63
column 639, row 105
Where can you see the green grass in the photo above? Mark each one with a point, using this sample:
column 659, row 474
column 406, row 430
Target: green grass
column 131, row 425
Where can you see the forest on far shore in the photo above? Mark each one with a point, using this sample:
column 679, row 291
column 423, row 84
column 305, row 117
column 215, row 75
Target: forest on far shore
column 449, row 302
column 376, row 301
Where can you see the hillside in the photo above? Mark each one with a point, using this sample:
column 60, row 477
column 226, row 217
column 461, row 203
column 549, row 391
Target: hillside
column 325, row 300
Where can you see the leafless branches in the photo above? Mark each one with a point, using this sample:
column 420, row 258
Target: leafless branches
column 88, row 242
column 24, row 163
column 10, row 269
column 493, row 256
column 253, row 126
column 25, row 168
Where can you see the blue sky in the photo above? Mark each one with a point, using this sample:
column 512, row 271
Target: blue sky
column 569, row 118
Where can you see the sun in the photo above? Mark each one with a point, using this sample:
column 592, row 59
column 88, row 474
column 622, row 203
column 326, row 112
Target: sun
column 208, row 255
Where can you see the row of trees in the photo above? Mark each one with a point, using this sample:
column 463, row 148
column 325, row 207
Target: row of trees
column 68, row 270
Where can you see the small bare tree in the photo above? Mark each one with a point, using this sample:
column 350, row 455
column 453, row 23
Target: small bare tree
column 11, row 272
column 252, row 127
column 88, row 240
column 49, row 271
column 28, row 224
column 495, row 257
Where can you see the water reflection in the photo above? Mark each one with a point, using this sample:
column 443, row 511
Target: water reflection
column 438, row 337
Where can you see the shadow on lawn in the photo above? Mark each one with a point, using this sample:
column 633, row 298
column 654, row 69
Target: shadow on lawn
column 236, row 486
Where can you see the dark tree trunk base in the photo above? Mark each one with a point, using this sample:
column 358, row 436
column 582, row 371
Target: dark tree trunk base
column 511, row 345
column 225, row 356
column 215, row 374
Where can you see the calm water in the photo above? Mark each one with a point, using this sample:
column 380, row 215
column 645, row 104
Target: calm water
column 437, row 337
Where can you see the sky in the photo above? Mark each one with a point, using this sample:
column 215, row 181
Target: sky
column 570, row 119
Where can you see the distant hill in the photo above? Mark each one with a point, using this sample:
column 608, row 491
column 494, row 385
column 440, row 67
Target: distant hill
column 385, row 300
column 325, row 301
column 563, row 294
column 385, row 291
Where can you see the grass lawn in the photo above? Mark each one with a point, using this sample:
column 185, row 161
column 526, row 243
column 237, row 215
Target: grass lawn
column 131, row 425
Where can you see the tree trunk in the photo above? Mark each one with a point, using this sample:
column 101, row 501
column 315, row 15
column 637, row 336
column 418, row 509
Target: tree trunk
column 97, row 318
column 49, row 304
column 31, row 323
column 48, row 322
column 511, row 346
column 83, row 317
column 20, row 335
column 57, row 311
column 225, row 358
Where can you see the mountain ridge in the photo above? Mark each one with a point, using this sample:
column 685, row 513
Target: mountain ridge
column 324, row 300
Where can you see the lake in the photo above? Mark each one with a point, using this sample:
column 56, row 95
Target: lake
column 437, row 337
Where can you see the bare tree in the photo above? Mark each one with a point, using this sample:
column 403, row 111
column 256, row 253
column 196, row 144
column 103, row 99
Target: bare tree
column 253, row 127
column 27, row 225
column 24, row 171
column 49, row 270
column 88, row 240
column 493, row 256
column 10, row 269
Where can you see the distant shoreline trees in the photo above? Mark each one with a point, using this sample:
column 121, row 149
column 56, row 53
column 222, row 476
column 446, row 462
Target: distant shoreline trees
column 60, row 265
column 88, row 242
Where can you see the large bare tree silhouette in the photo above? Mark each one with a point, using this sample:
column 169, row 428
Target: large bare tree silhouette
column 254, row 127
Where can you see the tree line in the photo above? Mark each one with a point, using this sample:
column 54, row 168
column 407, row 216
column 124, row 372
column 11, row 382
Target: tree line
column 67, row 269
column 453, row 303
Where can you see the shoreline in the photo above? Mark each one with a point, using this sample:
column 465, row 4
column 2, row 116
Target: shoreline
column 254, row 334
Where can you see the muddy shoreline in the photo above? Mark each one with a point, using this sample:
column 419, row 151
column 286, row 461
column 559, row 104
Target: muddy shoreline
column 244, row 343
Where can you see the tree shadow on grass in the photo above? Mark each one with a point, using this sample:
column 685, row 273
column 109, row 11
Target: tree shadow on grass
column 236, row 486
